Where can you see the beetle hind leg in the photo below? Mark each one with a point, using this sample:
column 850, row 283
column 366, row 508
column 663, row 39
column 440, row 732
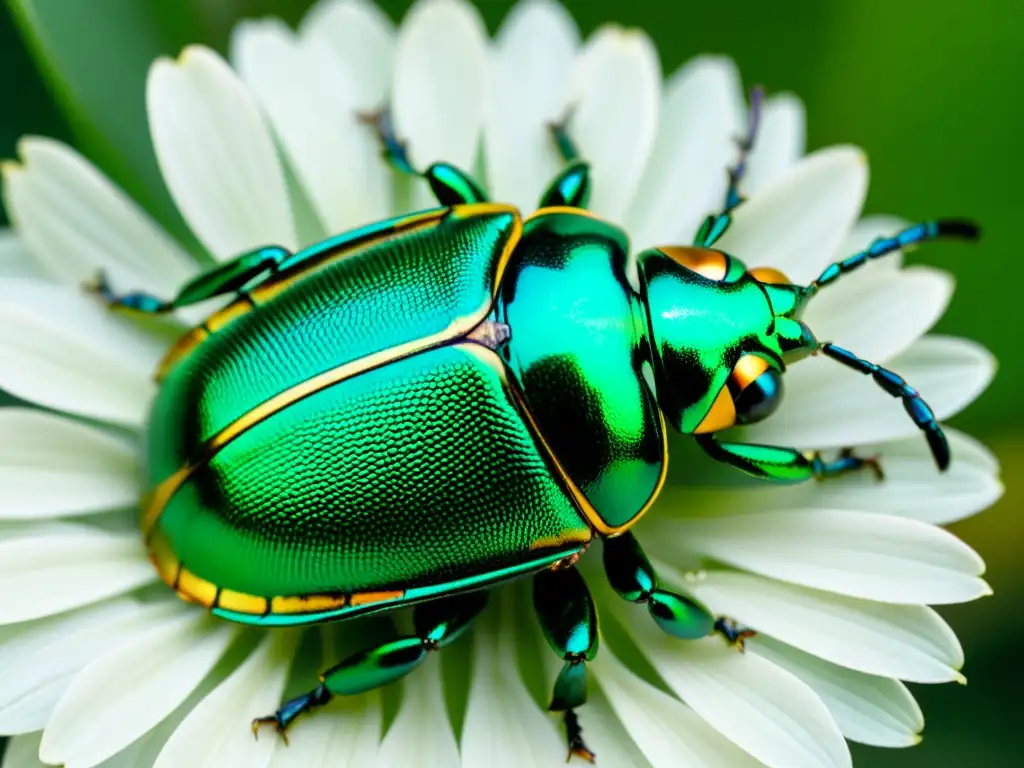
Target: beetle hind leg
column 437, row 624
column 569, row 620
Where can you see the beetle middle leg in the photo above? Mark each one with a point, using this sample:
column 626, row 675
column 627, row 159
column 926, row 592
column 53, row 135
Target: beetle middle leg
column 436, row 623
column 632, row 577
column 716, row 225
column 223, row 279
column 450, row 185
column 569, row 620
column 571, row 187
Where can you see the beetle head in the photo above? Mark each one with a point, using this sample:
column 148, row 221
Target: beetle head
column 722, row 336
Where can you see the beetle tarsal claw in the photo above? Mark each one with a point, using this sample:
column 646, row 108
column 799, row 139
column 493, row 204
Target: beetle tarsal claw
column 274, row 723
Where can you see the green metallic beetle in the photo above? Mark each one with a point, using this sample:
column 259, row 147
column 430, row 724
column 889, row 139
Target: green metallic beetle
column 432, row 405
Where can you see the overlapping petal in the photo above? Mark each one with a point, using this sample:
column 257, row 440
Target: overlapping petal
column 875, row 557
column 62, row 349
column 217, row 156
column 138, row 682
column 616, row 99
column 52, row 466
column 75, row 222
column 53, row 568
column 332, row 151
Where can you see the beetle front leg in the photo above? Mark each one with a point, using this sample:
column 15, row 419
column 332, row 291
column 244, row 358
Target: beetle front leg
column 786, row 465
column 569, row 620
column 436, row 623
column 450, row 185
column 223, row 279
column 633, row 578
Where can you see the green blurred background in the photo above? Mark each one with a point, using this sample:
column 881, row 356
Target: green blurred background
column 932, row 89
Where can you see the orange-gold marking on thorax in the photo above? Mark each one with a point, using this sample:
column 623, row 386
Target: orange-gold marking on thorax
column 704, row 261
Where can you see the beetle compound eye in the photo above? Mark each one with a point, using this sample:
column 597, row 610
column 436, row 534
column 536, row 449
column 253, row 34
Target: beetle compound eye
column 760, row 399
column 757, row 389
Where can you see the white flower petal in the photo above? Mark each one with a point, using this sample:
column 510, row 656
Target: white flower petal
column 779, row 145
column 62, row 349
column 57, row 567
column 882, row 317
column 868, row 709
column 763, row 709
column 216, row 155
column 216, row 732
column 75, row 222
column 528, row 88
column 40, row 661
column 363, row 39
column 421, row 733
column 685, row 178
column 666, row 731
column 616, row 99
column 440, row 71
column 843, row 408
column 15, row 258
column 333, row 153
column 23, row 752
column 52, row 466
column 504, row 727
column 874, row 557
column 909, row 642
column 135, row 685
column 797, row 223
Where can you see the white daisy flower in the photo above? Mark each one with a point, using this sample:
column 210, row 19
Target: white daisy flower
column 100, row 664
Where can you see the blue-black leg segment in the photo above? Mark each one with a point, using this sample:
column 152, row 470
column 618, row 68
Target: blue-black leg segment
column 633, row 578
column 918, row 410
column 450, row 185
column 746, row 145
column 230, row 277
column 563, row 140
column 716, row 225
column 569, row 621
column 436, row 624
column 959, row 229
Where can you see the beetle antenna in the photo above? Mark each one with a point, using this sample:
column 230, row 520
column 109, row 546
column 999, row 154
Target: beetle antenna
column 918, row 410
column 959, row 229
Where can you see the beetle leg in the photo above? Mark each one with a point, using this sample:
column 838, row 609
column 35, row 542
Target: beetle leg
column 222, row 279
column 450, row 185
column 787, row 465
column 746, row 144
column 716, row 225
column 570, row 188
column 436, row 623
column 569, row 620
column 633, row 578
